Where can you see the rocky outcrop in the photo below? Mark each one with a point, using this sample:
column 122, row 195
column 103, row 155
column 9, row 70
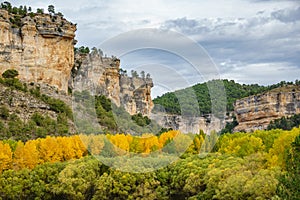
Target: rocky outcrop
column 256, row 112
column 24, row 105
column 190, row 124
column 101, row 75
column 40, row 48
column 135, row 94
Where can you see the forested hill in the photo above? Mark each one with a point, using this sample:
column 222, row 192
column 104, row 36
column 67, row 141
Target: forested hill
column 233, row 90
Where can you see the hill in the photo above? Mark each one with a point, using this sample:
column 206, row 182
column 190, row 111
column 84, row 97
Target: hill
column 26, row 113
column 233, row 91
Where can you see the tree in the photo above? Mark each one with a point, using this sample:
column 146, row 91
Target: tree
column 277, row 155
column 143, row 74
column 77, row 179
column 134, row 74
column 5, row 156
column 6, row 5
column 51, row 9
column 40, row 11
column 123, row 72
column 288, row 187
column 60, row 14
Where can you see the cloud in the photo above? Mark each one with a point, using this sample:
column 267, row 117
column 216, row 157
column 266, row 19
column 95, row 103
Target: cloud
column 261, row 38
column 261, row 73
column 287, row 15
column 254, row 34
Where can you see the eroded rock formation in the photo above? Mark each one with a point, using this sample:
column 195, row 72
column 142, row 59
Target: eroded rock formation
column 256, row 112
column 101, row 75
column 190, row 124
column 41, row 48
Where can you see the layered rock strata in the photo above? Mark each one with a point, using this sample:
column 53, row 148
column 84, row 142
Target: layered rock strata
column 256, row 112
column 40, row 47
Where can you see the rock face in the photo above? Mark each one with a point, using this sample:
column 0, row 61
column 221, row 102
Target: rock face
column 256, row 112
column 101, row 75
column 135, row 94
column 40, row 48
column 190, row 124
column 24, row 105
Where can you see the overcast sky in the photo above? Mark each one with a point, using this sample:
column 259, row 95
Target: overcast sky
column 249, row 41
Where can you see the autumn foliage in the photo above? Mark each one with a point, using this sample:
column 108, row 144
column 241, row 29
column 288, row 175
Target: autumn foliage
column 232, row 166
column 19, row 155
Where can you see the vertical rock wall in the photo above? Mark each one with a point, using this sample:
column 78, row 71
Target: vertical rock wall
column 41, row 49
column 100, row 75
column 256, row 112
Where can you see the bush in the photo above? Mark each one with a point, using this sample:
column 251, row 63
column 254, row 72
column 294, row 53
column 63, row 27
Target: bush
column 10, row 73
column 14, row 83
column 141, row 120
column 4, row 112
column 285, row 123
column 58, row 106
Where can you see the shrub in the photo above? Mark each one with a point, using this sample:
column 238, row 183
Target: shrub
column 4, row 112
column 10, row 73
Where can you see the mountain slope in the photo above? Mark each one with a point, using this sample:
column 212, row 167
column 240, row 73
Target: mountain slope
column 234, row 91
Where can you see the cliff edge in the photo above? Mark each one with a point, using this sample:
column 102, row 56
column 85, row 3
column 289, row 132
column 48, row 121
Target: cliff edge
column 39, row 46
column 102, row 76
column 256, row 112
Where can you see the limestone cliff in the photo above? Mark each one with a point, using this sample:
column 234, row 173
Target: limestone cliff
column 40, row 47
column 256, row 112
column 101, row 75
column 190, row 124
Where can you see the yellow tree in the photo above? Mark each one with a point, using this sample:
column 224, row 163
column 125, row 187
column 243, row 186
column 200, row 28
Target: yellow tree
column 18, row 158
column 150, row 143
column 49, row 150
column 66, row 145
column 78, row 147
column 5, row 156
column 276, row 155
column 182, row 142
column 26, row 156
column 93, row 143
column 163, row 138
column 120, row 141
column 243, row 145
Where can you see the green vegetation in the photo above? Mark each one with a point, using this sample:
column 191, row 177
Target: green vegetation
column 13, row 83
column 21, row 11
column 12, row 127
column 229, row 126
column 38, row 126
column 4, row 112
column 82, row 49
column 113, row 118
column 17, row 13
column 141, row 120
column 57, row 105
column 285, row 123
column 289, row 183
column 259, row 165
column 51, row 9
column 178, row 101
column 10, row 73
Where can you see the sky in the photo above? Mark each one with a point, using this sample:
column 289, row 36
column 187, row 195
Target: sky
column 249, row 41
